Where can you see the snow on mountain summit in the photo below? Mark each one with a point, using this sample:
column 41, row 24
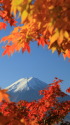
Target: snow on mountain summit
column 26, row 83
column 26, row 89
column 19, row 85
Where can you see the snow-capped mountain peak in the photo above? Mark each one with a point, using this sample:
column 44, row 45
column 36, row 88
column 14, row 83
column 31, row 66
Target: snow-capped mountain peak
column 26, row 83
column 23, row 88
column 19, row 85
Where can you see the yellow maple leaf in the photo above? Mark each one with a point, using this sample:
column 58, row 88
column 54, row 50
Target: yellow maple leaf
column 29, row 1
column 66, row 34
column 16, row 5
column 61, row 36
column 53, row 49
column 50, row 28
column 17, row 2
column 54, row 37
column 24, row 15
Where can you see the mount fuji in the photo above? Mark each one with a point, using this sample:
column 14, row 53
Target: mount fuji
column 26, row 89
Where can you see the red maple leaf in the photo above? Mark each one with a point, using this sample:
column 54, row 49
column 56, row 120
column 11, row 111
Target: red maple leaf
column 26, row 48
column 68, row 90
column 2, row 25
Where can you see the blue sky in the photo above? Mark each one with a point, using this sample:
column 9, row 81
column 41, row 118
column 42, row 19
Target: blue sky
column 40, row 63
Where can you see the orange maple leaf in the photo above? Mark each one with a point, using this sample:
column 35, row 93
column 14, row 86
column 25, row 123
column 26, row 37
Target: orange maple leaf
column 2, row 25
column 4, row 95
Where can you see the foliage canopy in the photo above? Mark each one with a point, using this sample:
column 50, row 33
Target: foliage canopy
column 44, row 21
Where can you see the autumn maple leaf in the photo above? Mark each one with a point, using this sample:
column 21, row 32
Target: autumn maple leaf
column 4, row 95
column 68, row 90
column 41, row 41
column 26, row 47
column 2, row 25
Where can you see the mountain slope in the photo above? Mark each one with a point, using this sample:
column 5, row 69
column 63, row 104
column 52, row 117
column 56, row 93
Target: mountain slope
column 26, row 89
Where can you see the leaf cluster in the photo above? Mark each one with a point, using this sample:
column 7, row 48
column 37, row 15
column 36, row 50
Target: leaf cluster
column 44, row 21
